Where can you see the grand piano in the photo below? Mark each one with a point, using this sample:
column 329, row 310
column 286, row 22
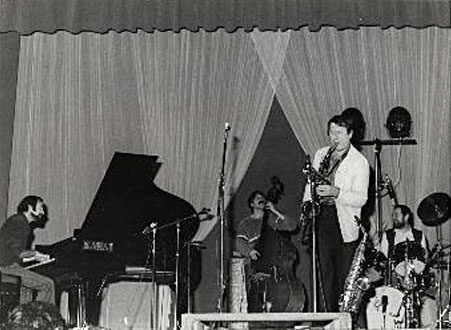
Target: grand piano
column 114, row 242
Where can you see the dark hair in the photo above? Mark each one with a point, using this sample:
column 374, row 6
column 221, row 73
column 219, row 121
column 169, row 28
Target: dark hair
column 340, row 120
column 252, row 197
column 358, row 125
column 405, row 210
column 31, row 200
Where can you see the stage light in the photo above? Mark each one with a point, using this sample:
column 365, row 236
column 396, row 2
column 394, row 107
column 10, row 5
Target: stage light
column 398, row 123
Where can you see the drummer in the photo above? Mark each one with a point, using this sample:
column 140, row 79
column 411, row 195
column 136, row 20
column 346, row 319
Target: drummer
column 403, row 229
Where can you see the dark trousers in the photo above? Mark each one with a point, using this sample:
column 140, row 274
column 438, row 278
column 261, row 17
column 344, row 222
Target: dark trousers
column 334, row 258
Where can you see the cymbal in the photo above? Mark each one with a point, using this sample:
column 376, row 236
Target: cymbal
column 434, row 209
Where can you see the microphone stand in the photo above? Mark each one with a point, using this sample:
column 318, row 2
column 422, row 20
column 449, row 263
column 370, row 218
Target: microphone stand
column 309, row 172
column 220, row 217
column 314, row 248
column 153, row 229
column 153, row 277
column 177, row 280
column 377, row 173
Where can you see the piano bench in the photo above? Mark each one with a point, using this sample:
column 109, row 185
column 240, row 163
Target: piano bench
column 9, row 294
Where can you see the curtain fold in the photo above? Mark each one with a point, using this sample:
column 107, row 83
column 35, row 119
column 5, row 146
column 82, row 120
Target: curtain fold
column 101, row 16
column 9, row 61
column 375, row 70
column 83, row 97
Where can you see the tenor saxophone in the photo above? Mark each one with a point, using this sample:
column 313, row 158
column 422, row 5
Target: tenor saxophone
column 318, row 177
column 356, row 284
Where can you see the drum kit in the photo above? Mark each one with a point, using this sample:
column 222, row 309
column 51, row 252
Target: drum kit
column 411, row 283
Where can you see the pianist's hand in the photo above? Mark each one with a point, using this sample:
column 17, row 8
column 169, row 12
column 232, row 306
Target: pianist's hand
column 41, row 256
column 27, row 254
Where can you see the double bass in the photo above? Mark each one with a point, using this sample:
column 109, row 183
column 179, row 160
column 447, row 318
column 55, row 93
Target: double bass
column 274, row 286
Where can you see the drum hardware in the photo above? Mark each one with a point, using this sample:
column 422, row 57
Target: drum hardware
column 434, row 210
column 412, row 307
column 409, row 255
column 399, row 303
column 446, row 309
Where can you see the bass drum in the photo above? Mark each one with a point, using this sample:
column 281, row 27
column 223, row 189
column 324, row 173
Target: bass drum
column 394, row 313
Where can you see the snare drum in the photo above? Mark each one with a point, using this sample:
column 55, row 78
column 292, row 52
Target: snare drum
column 394, row 310
column 409, row 256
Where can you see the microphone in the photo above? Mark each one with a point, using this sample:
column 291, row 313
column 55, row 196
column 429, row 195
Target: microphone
column 227, row 127
column 148, row 229
column 388, row 184
column 307, row 165
column 384, row 303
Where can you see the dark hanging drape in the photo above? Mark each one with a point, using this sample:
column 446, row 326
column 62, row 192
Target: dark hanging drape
column 9, row 61
column 28, row 16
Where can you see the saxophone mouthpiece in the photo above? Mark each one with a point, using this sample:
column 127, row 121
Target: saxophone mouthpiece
column 307, row 165
column 357, row 220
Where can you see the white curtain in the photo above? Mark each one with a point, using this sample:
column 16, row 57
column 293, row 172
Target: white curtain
column 376, row 70
column 82, row 97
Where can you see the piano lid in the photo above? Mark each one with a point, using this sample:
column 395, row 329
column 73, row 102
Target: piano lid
column 127, row 201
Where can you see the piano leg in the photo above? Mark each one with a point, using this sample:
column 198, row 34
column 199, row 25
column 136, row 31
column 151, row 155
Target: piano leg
column 81, row 306
column 77, row 304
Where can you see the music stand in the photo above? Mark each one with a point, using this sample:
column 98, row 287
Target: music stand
column 378, row 143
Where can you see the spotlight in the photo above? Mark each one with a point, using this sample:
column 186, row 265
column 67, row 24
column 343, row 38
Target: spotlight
column 398, row 123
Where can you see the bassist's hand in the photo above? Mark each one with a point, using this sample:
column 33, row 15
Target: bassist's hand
column 254, row 255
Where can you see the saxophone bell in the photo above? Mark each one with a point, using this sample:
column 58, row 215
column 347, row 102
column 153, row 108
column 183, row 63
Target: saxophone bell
column 307, row 209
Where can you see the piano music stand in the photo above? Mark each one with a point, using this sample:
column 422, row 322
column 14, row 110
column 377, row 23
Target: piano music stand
column 377, row 172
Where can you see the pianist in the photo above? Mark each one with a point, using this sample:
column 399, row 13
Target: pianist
column 15, row 245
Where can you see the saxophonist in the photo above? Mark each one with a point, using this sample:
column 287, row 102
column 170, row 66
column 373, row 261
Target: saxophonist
column 341, row 198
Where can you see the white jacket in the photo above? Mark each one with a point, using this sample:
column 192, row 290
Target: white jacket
column 352, row 177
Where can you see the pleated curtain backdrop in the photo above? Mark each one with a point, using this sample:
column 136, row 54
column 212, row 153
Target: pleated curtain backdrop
column 82, row 97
